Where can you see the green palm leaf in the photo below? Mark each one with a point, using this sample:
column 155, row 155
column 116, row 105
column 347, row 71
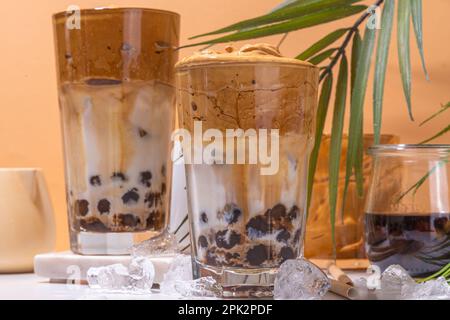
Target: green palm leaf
column 384, row 41
column 321, row 44
column 336, row 141
column 357, row 102
column 444, row 271
column 322, row 111
column 356, row 53
column 322, row 56
column 422, row 180
column 358, row 167
column 437, row 135
column 443, row 131
column 416, row 12
column 358, row 163
column 443, row 109
column 293, row 10
column 404, row 14
column 303, row 22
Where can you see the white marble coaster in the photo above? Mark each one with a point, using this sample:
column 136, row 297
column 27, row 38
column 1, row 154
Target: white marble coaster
column 63, row 266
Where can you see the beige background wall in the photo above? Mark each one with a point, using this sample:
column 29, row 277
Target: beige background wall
column 29, row 116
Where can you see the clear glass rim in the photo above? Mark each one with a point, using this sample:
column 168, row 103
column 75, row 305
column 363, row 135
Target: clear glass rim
column 397, row 148
column 107, row 10
column 226, row 64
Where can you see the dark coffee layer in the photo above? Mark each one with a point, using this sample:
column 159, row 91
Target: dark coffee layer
column 419, row 243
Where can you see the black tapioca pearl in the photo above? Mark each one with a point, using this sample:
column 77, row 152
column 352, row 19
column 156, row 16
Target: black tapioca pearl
column 204, row 217
column 142, row 133
column 287, row 253
column 146, row 178
column 150, row 199
column 153, row 199
column 194, row 106
column 257, row 255
column 129, row 220
column 163, row 171
column 104, row 206
column 278, row 212
column 211, row 258
column 257, row 227
column 232, row 214
column 202, row 242
column 119, row 176
column 227, row 239
column 253, row 82
column 294, row 213
column 95, row 181
column 93, row 225
column 152, row 219
column 131, row 197
column 283, row 236
column 82, row 207
column 163, row 188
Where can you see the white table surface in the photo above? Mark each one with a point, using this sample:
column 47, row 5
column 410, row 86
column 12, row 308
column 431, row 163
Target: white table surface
column 31, row 287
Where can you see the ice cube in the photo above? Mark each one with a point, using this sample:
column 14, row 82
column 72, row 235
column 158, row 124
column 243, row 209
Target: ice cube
column 203, row 287
column 179, row 270
column 395, row 276
column 164, row 244
column 137, row 278
column 300, row 280
column 109, row 277
column 437, row 289
column 392, row 282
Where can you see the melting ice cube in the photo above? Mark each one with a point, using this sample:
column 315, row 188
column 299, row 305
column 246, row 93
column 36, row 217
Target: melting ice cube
column 300, row 280
column 437, row 289
column 137, row 278
column 179, row 270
